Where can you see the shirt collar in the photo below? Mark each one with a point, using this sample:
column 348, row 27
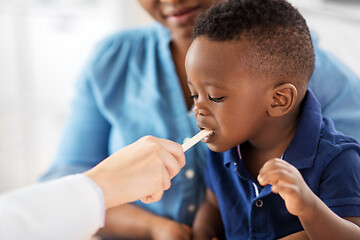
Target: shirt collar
column 234, row 156
column 303, row 147
column 231, row 156
column 164, row 33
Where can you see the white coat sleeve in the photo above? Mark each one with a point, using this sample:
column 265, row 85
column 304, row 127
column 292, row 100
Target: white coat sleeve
column 69, row 208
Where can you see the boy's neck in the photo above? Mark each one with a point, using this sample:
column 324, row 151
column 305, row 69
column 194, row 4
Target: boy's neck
column 273, row 144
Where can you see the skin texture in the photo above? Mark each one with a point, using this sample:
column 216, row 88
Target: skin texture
column 261, row 114
column 142, row 170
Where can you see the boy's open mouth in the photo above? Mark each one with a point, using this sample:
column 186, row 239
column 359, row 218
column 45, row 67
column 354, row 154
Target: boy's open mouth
column 208, row 138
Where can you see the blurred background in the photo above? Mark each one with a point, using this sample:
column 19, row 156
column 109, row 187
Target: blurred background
column 45, row 44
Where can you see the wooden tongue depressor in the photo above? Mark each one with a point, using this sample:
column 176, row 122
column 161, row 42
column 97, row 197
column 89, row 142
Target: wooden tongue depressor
column 195, row 139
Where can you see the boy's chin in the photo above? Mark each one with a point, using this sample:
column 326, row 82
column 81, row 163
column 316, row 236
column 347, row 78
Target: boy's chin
column 218, row 148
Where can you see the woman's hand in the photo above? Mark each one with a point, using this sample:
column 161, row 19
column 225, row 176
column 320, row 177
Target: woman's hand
column 142, row 170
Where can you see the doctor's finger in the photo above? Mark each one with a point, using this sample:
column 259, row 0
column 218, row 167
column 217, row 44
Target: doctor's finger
column 174, row 149
column 171, row 164
column 158, row 186
column 153, row 197
column 166, row 184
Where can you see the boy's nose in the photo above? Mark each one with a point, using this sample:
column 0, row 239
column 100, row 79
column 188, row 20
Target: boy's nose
column 198, row 110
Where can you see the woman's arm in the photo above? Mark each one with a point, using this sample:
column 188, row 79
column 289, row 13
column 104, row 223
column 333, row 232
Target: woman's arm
column 208, row 224
column 132, row 222
column 85, row 137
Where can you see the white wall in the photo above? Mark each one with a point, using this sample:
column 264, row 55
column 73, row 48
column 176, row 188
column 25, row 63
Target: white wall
column 45, row 43
column 337, row 23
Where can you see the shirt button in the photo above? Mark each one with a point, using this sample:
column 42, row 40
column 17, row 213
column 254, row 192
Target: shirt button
column 259, row 203
column 189, row 174
column 235, row 167
column 191, row 208
column 186, row 139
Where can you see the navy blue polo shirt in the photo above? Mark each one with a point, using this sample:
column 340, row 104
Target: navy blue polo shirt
column 328, row 161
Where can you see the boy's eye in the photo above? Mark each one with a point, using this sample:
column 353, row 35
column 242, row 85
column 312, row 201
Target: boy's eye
column 216, row 100
column 194, row 96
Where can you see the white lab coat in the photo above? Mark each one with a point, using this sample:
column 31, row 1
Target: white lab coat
column 70, row 208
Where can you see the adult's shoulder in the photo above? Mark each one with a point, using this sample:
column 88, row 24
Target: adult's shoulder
column 130, row 50
column 331, row 76
column 337, row 88
column 130, row 40
column 151, row 31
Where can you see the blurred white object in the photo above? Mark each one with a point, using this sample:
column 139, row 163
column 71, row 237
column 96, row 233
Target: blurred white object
column 44, row 46
column 67, row 208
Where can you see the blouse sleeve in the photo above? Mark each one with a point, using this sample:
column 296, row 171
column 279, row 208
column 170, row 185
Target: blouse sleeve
column 338, row 90
column 85, row 137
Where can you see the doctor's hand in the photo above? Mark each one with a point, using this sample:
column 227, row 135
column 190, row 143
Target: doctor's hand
column 141, row 170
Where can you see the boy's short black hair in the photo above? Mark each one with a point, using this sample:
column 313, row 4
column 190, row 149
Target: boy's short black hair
column 277, row 35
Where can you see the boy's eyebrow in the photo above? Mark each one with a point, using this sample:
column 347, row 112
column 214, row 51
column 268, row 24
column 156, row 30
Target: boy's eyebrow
column 215, row 84
column 211, row 83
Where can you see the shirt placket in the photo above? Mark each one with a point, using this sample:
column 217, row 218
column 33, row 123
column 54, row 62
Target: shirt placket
column 258, row 215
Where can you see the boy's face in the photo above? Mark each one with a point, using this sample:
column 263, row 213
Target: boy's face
column 176, row 15
column 227, row 97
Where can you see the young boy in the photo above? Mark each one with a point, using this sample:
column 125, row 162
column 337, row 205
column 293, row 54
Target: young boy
column 276, row 167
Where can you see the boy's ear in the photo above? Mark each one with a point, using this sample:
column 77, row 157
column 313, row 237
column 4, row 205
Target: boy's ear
column 283, row 100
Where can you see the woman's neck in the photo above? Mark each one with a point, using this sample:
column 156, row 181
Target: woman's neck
column 180, row 46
